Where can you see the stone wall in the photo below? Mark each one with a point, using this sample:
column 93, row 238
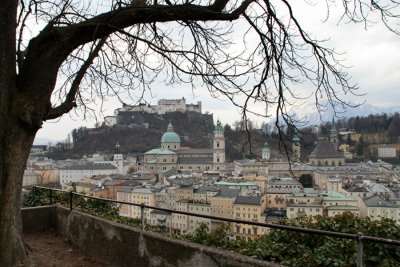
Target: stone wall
column 39, row 219
column 119, row 245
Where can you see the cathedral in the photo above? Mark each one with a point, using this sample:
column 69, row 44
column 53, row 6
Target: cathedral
column 170, row 155
column 326, row 152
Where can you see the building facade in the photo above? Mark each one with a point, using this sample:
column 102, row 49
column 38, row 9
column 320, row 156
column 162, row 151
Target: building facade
column 170, row 155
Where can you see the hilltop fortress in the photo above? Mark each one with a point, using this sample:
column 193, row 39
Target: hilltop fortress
column 125, row 115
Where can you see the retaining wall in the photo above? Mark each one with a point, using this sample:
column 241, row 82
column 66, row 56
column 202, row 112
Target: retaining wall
column 119, row 245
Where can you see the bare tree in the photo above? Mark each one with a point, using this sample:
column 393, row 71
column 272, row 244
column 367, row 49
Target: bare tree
column 62, row 54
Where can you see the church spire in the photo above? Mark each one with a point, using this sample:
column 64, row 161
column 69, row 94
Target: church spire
column 170, row 128
column 333, row 127
column 117, row 148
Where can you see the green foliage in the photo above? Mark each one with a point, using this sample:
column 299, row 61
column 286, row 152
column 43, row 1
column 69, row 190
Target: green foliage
column 35, row 198
column 297, row 249
column 41, row 197
column 217, row 238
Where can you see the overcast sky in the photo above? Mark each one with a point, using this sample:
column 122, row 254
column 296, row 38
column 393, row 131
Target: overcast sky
column 371, row 53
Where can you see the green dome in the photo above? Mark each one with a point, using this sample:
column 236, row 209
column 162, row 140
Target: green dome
column 218, row 127
column 296, row 139
column 170, row 137
column 266, row 147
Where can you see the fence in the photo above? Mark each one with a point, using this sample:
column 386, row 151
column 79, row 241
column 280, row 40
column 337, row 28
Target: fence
column 359, row 237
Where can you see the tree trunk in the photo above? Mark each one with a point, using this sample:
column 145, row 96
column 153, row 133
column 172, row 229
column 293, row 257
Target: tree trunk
column 15, row 142
column 15, row 147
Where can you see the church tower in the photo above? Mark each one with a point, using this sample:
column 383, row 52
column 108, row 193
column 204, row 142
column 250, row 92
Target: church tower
column 218, row 147
column 333, row 134
column 296, row 147
column 266, row 152
column 118, row 159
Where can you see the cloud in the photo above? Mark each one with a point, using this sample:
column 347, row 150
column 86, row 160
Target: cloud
column 371, row 54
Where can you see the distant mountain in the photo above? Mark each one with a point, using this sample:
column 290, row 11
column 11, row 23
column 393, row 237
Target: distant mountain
column 309, row 113
column 44, row 141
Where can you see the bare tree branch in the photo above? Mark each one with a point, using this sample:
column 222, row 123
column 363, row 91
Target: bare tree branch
column 69, row 102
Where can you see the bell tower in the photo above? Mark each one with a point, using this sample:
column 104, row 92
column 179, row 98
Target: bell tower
column 218, row 147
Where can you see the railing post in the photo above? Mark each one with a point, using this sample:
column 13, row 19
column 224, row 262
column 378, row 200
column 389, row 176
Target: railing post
column 142, row 215
column 71, row 195
column 51, row 197
column 170, row 225
column 360, row 248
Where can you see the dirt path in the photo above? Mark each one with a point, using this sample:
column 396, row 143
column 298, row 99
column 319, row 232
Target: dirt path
column 50, row 250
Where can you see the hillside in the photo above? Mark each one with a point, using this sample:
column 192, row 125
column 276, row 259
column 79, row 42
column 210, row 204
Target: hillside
column 195, row 130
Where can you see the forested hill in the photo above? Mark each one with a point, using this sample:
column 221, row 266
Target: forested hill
column 195, row 130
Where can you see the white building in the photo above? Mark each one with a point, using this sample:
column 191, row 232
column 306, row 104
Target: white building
column 266, row 152
column 312, row 203
column 110, row 120
column 248, row 166
column 377, row 207
column 30, row 178
column 194, row 221
column 386, row 151
column 136, row 195
column 163, row 106
column 161, row 218
column 75, row 173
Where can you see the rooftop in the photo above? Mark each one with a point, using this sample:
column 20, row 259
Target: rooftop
column 248, row 200
column 325, row 149
column 195, row 160
column 106, row 166
column 377, row 201
column 160, row 151
column 332, row 195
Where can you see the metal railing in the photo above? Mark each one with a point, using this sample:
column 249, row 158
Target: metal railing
column 360, row 238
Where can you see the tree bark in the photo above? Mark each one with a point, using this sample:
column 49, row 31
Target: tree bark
column 15, row 147
column 15, row 143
